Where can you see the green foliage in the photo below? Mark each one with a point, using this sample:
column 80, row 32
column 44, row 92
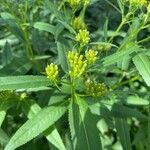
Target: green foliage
column 74, row 75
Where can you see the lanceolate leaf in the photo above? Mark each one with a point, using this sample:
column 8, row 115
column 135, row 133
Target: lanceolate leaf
column 14, row 27
column 45, row 27
column 121, row 111
column 62, row 56
column 83, row 128
column 142, row 63
column 123, row 133
column 35, row 126
column 3, row 137
column 5, row 104
column 7, row 54
column 52, row 135
column 119, row 55
column 135, row 100
column 2, row 113
column 22, row 82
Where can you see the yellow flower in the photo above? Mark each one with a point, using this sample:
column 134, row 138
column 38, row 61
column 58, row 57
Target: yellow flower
column 86, row 2
column 83, row 37
column 78, row 24
column 74, row 3
column 96, row 89
column 91, row 56
column 51, row 71
column 77, row 64
column 139, row 2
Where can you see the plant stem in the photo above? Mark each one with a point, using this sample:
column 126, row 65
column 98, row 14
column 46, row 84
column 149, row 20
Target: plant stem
column 124, row 82
column 72, row 89
column 144, row 40
column 124, row 20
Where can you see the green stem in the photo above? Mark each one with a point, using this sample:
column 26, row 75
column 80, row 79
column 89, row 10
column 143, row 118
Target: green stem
column 111, row 4
column 124, row 82
column 124, row 20
column 72, row 89
column 144, row 40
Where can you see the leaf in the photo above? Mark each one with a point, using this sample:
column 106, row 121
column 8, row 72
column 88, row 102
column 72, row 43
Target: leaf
column 124, row 63
column 103, row 112
column 45, row 27
column 18, row 66
column 67, row 26
column 10, row 39
column 22, row 82
column 35, row 126
column 62, row 56
column 135, row 100
column 142, row 63
column 3, row 110
column 3, row 137
column 6, row 102
column 7, row 54
column 121, row 111
column 83, row 128
column 52, row 135
column 123, row 133
column 52, row 8
column 14, row 27
column 140, row 135
column 119, row 55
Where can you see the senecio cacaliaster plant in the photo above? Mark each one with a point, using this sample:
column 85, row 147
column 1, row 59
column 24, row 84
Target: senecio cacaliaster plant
column 94, row 94
column 84, row 84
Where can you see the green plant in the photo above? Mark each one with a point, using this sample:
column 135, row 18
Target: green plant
column 78, row 86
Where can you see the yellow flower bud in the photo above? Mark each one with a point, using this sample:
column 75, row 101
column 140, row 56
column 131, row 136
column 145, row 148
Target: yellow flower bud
column 77, row 64
column 83, row 37
column 91, row 56
column 139, row 2
column 78, row 24
column 51, row 71
column 86, row 2
column 74, row 3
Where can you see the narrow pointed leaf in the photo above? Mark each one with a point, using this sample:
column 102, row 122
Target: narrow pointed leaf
column 83, row 128
column 35, row 126
column 123, row 133
column 22, row 82
column 51, row 134
column 45, row 27
column 142, row 63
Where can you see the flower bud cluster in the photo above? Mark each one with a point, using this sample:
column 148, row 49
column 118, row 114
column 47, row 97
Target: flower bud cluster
column 83, row 37
column 78, row 24
column 77, row 64
column 138, row 2
column 51, row 71
column 95, row 89
column 91, row 56
column 76, row 3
